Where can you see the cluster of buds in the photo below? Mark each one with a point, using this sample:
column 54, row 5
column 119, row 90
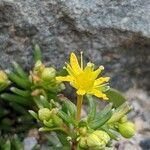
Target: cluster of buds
column 4, row 82
column 96, row 140
column 49, row 117
column 44, row 78
column 125, row 127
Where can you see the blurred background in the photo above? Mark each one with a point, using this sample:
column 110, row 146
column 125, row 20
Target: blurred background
column 113, row 33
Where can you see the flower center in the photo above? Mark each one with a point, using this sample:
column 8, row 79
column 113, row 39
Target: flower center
column 84, row 81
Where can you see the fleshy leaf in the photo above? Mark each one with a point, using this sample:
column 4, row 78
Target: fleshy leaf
column 115, row 97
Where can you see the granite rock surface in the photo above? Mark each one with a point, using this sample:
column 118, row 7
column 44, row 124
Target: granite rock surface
column 114, row 33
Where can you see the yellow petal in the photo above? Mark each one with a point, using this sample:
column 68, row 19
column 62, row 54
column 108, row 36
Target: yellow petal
column 101, row 80
column 70, row 70
column 97, row 72
column 99, row 94
column 74, row 63
column 81, row 92
column 66, row 78
column 89, row 67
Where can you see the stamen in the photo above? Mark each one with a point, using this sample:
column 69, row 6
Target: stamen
column 81, row 53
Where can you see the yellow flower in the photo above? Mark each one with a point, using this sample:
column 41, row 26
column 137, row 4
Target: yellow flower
column 85, row 80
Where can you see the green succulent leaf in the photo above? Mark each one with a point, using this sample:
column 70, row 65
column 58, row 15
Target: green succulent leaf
column 15, row 98
column 115, row 97
column 66, row 118
column 33, row 114
column 102, row 117
column 24, row 83
column 19, row 92
column 19, row 70
column 69, row 107
column 37, row 53
column 91, row 108
column 63, row 139
column 111, row 133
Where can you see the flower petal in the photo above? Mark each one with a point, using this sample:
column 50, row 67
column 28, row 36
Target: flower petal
column 101, row 80
column 89, row 67
column 74, row 63
column 66, row 78
column 97, row 72
column 99, row 94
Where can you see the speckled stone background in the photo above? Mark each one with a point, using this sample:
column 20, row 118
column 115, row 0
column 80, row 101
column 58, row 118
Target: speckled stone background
column 113, row 33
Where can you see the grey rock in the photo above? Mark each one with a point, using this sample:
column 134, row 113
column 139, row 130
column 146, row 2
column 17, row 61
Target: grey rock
column 29, row 143
column 145, row 144
column 115, row 34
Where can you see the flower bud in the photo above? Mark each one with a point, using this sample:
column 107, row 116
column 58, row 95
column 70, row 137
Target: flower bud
column 93, row 140
column 48, row 73
column 83, row 131
column 102, row 135
column 123, row 119
column 48, row 123
column 126, row 129
column 38, row 69
column 4, row 82
column 83, row 142
column 56, row 120
column 3, row 76
column 44, row 114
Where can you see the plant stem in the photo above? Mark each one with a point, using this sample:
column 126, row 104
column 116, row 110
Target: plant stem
column 79, row 106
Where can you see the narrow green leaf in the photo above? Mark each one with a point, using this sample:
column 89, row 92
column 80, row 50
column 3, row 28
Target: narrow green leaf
column 33, row 114
column 15, row 98
column 115, row 97
column 20, row 92
column 37, row 53
column 24, row 83
column 38, row 102
column 102, row 117
column 101, row 121
column 65, row 117
column 45, row 129
column 91, row 108
column 19, row 70
column 110, row 133
column 69, row 106
column 3, row 86
column 104, row 111
column 45, row 102
column 18, row 108
column 62, row 138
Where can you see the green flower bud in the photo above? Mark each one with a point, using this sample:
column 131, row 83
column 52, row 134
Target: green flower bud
column 4, row 82
column 102, row 135
column 93, row 140
column 3, row 77
column 126, row 129
column 123, row 119
column 56, row 120
column 83, row 131
column 61, row 87
column 48, row 73
column 83, row 142
column 44, row 114
column 39, row 67
column 48, row 123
